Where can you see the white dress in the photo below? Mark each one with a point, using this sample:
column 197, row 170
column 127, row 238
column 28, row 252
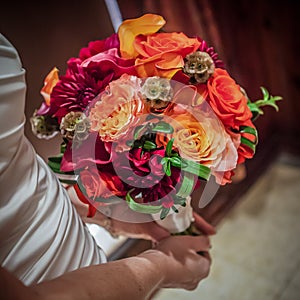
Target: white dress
column 41, row 235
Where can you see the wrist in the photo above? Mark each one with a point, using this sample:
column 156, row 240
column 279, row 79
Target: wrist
column 158, row 261
column 105, row 220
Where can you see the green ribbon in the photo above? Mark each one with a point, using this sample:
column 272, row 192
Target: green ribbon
column 187, row 185
column 142, row 208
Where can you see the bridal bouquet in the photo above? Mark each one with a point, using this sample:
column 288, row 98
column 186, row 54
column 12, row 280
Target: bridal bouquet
column 145, row 116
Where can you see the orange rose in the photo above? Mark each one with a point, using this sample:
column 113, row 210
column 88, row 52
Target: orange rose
column 104, row 185
column 118, row 108
column 93, row 184
column 101, row 184
column 162, row 54
column 227, row 100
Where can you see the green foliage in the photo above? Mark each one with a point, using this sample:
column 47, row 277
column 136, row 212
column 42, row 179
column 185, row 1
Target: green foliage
column 268, row 100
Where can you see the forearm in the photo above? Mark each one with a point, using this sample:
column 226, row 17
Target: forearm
column 131, row 278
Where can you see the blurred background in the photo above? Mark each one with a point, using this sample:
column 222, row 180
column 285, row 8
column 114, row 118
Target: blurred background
column 259, row 42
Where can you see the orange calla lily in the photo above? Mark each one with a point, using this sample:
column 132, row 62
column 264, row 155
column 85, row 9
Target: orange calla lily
column 49, row 83
column 129, row 29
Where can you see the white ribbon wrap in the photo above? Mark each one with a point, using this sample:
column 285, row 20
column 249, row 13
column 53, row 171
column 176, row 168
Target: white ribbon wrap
column 177, row 222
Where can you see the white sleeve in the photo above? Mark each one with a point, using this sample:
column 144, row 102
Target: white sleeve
column 41, row 235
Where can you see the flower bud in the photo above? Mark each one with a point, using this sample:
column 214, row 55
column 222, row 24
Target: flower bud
column 199, row 66
column 157, row 93
column 75, row 124
column 44, row 127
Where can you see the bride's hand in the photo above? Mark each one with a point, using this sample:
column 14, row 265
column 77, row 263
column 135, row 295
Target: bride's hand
column 202, row 225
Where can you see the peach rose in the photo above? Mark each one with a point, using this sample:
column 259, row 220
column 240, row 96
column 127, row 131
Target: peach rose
column 227, row 100
column 118, row 108
column 203, row 139
column 162, row 54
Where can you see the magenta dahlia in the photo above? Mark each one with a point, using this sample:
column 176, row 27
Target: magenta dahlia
column 76, row 90
column 210, row 50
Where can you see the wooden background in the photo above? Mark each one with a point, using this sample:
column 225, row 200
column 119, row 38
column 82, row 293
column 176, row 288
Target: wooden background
column 258, row 41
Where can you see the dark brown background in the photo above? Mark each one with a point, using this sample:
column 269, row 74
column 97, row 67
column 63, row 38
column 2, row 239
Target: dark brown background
column 258, row 40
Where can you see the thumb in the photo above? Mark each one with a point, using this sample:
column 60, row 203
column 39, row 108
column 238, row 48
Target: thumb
column 203, row 225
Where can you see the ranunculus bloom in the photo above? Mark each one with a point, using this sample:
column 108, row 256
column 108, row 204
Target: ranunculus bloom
column 118, row 108
column 227, row 100
column 129, row 29
column 143, row 172
column 162, row 54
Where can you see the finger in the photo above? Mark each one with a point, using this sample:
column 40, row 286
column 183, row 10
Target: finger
column 156, row 232
column 205, row 254
column 196, row 243
column 203, row 225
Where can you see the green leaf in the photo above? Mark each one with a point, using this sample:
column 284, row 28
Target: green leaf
column 175, row 209
column 163, row 127
column 167, row 167
column 268, row 100
column 148, row 145
column 164, row 212
column 248, row 143
column 250, row 130
column 169, row 147
column 129, row 143
column 265, row 92
column 179, row 200
column 187, row 185
column 164, row 160
column 195, row 168
column 54, row 163
column 175, row 161
column 63, row 147
column 256, row 111
column 137, row 131
column 142, row 208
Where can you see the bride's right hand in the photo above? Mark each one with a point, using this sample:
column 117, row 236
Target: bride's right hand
column 183, row 260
